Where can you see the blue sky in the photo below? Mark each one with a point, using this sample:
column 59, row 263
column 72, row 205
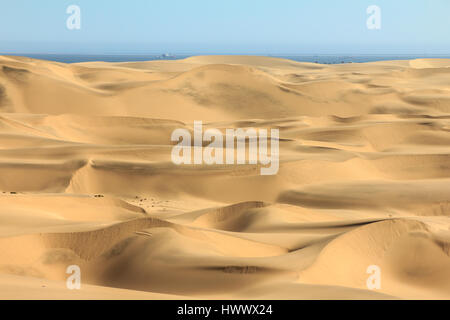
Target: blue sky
column 225, row 26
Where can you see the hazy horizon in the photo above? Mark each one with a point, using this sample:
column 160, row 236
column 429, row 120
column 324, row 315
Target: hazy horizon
column 312, row 58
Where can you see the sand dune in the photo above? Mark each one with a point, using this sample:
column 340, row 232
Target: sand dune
column 86, row 179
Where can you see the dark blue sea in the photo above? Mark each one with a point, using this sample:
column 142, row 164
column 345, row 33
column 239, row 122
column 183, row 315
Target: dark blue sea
column 322, row 59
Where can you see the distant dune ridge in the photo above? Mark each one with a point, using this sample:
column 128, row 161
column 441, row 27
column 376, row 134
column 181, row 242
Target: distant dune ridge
column 86, row 179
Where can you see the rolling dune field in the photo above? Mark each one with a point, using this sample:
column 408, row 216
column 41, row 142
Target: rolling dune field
column 86, row 179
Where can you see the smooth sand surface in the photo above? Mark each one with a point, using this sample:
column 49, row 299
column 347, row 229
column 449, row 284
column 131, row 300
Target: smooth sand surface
column 86, row 179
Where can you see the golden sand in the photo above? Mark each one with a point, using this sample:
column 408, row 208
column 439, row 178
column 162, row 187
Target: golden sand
column 86, row 179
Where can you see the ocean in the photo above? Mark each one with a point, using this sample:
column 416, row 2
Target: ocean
column 322, row 59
